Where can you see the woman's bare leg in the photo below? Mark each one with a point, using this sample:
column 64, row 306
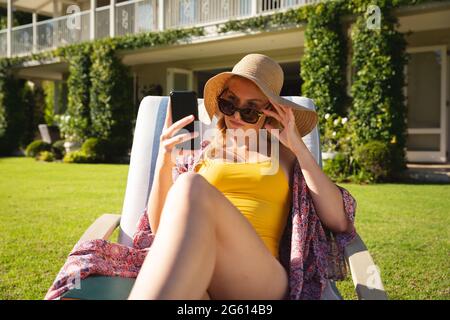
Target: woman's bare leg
column 204, row 244
column 181, row 260
column 206, row 296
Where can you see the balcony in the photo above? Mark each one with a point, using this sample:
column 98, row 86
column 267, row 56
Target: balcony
column 131, row 17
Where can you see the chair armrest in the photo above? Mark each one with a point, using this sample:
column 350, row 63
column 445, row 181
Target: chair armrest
column 365, row 274
column 102, row 228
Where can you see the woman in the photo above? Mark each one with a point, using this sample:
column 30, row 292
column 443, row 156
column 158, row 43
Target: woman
column 219, row 226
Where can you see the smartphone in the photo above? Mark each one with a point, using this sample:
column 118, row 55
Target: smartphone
column 184, row 103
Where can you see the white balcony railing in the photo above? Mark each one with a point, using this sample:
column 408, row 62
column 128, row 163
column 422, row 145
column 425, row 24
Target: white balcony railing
column 102, row 22
column 130, row 17
column 22, row 39
column 186, row 13
column 270, row 5
column 3, row 43
column 61, row 31
column 133, row 17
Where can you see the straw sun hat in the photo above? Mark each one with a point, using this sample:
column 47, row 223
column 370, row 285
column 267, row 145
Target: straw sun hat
column 268, row 75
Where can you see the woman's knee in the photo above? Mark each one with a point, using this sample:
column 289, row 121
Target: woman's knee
column 192, row 188
column 188, row 182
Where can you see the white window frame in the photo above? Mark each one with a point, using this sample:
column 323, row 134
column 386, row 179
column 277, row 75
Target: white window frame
column 432, row 156
column 170, row 78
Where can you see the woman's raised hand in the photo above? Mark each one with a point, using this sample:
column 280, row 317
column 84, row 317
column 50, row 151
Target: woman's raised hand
column 168, row 140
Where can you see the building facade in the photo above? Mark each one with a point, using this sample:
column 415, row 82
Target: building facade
column 157, row 70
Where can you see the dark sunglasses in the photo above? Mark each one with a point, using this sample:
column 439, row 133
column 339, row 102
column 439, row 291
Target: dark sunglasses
column 248, row 115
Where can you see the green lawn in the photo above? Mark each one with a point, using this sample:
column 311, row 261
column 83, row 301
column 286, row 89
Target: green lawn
column 45, row 207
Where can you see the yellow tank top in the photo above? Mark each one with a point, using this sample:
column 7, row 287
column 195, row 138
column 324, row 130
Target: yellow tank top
column 262, row 197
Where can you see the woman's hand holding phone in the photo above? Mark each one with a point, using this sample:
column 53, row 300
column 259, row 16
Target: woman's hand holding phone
column 168, row 140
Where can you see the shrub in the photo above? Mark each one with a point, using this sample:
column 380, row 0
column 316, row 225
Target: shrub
column 76, row 157
column 374, row 159
column 339, row 168
column 102, row 150
column 67, row 125
column 58, row 149
column 96, row 149
column 337, row 133
column 118, row 148
column 46, row 156
column 35, row 147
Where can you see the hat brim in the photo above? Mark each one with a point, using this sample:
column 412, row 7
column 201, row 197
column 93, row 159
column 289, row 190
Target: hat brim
column 305, row 119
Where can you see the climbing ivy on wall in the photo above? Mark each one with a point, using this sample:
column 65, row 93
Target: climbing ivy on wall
column 79, row 86
column 323, row 63
column 378, row 111
column 110, row 97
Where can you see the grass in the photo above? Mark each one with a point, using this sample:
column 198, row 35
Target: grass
column 406, row 228
column 45, row 208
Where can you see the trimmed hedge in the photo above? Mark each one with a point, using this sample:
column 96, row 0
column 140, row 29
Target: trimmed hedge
column 97, row 150
column 374, row 160
column 37, row 146
column 76, row 157
column 58, row 149
column 46, row 156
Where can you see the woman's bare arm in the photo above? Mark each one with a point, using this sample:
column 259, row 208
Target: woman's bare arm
column 326, row 195
column 162, row 180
